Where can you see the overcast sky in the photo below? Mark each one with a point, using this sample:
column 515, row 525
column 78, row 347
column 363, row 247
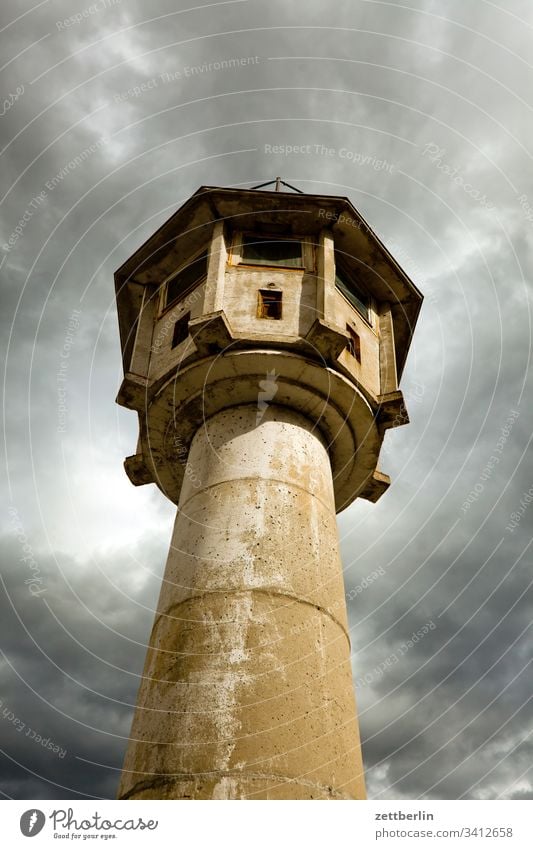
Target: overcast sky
column 421, row 113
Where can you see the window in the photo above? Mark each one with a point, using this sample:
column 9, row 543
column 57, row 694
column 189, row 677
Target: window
column 262, row 250
column 354, row 344
column 269, row 304
column 186, row 279
column 356, row 296
column 181, row 330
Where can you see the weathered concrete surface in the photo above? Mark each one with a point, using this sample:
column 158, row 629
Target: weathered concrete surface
column 247, row 688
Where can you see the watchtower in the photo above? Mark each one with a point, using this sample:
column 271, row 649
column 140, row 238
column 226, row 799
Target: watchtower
column 263, row 334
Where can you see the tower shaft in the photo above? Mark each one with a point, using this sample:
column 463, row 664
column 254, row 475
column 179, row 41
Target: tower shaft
column 247, row 686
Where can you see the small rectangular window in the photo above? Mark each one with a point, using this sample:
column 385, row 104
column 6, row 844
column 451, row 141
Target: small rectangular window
column 269, row 304
column 262, row 250
column 181, row 330
column 354, row 344
column 186, row 279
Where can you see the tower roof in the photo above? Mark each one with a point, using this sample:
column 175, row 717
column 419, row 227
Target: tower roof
column 277, row 213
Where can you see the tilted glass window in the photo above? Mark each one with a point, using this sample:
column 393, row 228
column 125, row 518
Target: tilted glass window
column 262, row 250
column 186, row 279
column 355, row 295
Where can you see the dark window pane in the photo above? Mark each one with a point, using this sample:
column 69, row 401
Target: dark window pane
column 269, row 304
column 186, row 279
column 354, row 345
column 181, row 330
column 350, row 290
column 257, row 250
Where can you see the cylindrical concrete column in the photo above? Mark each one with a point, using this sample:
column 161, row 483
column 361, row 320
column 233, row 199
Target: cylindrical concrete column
column 247, row 688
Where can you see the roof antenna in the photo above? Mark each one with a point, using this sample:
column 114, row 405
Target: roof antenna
column 279, row 183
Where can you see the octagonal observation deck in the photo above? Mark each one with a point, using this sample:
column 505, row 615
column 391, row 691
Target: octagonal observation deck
column 252, row 297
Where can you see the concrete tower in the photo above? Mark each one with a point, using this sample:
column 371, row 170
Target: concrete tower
column 263, row 336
